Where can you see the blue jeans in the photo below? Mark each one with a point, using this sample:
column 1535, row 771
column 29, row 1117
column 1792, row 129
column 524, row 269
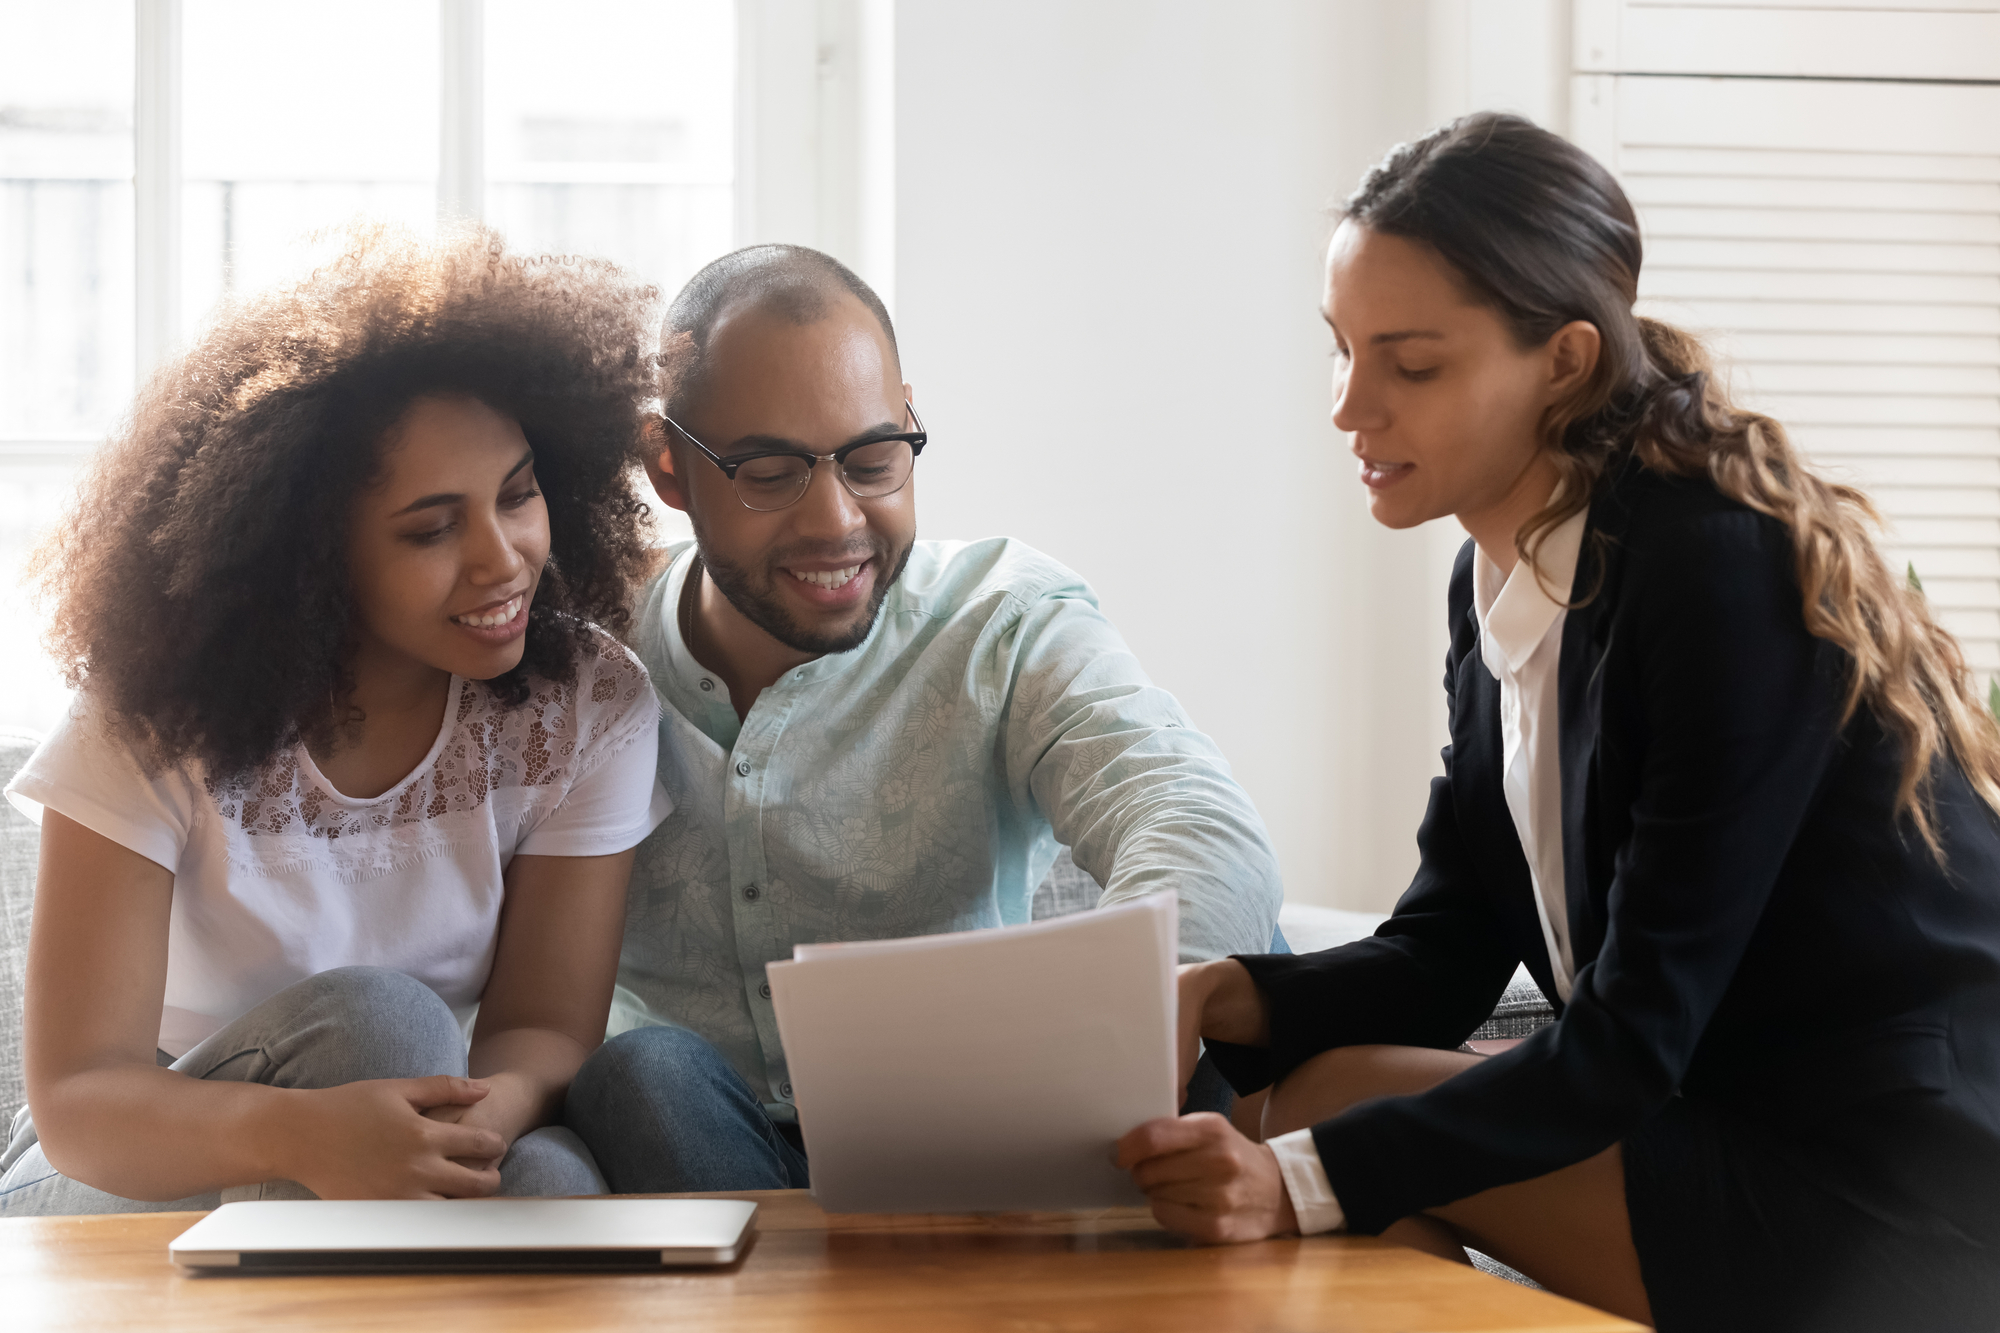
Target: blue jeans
column 341, row 1026
column 663, row 1113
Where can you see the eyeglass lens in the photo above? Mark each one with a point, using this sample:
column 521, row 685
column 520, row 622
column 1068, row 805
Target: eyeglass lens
column 872, row 471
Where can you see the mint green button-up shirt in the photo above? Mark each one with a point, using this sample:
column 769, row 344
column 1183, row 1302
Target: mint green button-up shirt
column 919, row 784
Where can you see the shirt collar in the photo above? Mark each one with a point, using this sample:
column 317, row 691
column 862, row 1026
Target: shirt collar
column 1514, row 617
column 711, row 709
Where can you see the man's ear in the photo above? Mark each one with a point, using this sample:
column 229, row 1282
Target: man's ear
column 660, row 469
column 1573, row 352
column 909, row 394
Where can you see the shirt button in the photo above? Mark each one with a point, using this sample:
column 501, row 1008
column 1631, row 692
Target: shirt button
column 784, row 1089
column 751, row 893
column 707, row 684
column 743, row 768
column 765, row 990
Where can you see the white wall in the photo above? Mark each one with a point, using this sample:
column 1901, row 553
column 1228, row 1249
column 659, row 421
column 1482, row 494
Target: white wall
column 1109, row 220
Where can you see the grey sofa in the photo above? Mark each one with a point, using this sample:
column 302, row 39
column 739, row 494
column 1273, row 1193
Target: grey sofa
column 19, row 843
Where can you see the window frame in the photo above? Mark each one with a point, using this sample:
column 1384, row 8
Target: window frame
column 814, row 158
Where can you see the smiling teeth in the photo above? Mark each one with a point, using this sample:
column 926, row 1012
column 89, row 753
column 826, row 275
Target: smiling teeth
column 490, row 619
column 826, row 578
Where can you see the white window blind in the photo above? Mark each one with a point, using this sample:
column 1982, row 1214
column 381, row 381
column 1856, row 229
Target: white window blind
column 1847, row 39
column 1838, row 244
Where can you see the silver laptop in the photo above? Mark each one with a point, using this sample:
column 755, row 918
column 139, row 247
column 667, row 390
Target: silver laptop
column 402, row 1236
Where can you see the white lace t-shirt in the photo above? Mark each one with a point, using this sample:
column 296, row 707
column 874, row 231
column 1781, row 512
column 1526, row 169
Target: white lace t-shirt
column 278, row 876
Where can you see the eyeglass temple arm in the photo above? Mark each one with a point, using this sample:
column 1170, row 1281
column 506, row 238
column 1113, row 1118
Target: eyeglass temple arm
column 729, row 468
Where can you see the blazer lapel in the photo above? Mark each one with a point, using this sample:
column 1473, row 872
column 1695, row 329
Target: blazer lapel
column 1579, row 695
column 1578, row 685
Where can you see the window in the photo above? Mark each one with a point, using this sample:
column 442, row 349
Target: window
column 272, row 146
column 66, row 287
column 620, row 147
column 157, row 156
column 65, row 219
column 1837, row 237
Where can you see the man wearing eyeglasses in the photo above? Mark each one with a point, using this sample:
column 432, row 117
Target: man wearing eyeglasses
column 865, row 735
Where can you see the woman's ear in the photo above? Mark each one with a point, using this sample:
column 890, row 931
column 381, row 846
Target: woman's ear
column 660, row 466
column 1573, row 351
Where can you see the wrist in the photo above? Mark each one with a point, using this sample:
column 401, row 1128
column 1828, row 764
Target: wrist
column 1232, row 1006
column 277, row 1132
column 1286, row 1221
column 514, row 1103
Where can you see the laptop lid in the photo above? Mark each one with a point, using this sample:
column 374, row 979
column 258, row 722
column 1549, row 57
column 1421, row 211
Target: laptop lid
column 409, row 1235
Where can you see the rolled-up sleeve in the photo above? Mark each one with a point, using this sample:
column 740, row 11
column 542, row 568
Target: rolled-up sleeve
column 1144, row 801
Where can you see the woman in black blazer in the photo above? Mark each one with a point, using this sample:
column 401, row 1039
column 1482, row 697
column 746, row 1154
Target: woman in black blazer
column 1745, row 777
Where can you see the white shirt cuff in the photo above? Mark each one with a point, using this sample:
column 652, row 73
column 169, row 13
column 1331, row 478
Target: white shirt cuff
column 1306, row 1182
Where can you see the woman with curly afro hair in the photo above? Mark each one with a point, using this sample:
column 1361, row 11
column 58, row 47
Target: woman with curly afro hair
column 353, row 757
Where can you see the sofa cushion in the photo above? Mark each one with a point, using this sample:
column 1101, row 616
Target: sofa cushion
column 1067, row 888
column 20, row 842
column 1522, row 1009
column 1309, row 929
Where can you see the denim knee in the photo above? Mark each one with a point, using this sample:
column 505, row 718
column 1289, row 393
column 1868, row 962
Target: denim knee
column 339, row 1026
column 550, row 1162
column 662, row 1111
column 635, row 1071
column 395, row 1025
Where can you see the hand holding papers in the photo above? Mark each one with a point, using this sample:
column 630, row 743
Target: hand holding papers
column 985, row 1071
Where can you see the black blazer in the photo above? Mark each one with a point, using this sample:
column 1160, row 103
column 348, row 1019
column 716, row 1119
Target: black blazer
column 1748, row 924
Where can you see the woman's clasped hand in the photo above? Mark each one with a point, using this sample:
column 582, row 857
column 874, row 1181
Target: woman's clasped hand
column 397, row 1139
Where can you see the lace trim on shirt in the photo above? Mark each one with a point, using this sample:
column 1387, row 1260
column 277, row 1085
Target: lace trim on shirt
column 489, row 746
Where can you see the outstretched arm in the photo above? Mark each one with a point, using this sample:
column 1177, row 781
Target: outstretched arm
column 1725, row 714
column 1431, row 973
column 1145, row 802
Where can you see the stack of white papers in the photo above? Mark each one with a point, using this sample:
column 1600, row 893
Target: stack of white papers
column 986, row 1071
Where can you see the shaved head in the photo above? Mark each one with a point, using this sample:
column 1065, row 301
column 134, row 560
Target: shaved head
column 788, row 282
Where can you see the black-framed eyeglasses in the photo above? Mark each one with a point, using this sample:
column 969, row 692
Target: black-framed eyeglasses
column 870, row 467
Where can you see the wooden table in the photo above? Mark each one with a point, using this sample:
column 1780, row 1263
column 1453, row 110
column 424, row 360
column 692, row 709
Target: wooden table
column 1026, row 1273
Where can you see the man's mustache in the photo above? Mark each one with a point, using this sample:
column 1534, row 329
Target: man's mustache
column 845, row 553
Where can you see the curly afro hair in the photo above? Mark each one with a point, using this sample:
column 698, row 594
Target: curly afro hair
column 201, row 589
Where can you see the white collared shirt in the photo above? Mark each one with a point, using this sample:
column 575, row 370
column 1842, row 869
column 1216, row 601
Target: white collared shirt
column 1520, row 641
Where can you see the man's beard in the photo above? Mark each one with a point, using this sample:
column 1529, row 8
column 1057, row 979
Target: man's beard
column 762, row 608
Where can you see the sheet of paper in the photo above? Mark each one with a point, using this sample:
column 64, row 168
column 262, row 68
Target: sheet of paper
column 984, row 1071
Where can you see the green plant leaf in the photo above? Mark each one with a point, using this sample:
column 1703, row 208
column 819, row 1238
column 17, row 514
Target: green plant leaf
column 1916, row 584
column 1993, row 697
